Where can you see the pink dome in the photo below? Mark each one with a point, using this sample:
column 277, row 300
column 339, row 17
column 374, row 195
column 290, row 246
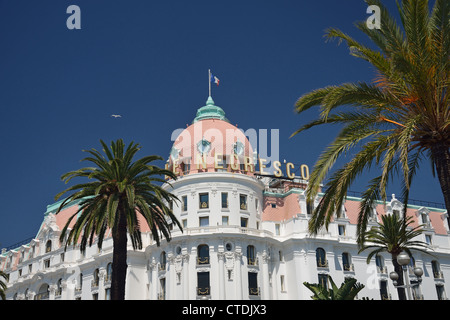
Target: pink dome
column 211, row 144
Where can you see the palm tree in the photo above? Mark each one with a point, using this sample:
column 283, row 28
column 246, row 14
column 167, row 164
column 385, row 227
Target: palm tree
column 393, row 122
column 394, row 235
column 3, row 284
column 119, row 192
column 347, row 291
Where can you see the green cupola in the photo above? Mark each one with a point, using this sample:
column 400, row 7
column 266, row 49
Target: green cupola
column 210, row 111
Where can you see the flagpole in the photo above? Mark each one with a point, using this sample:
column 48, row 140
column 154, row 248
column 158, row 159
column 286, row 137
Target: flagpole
column 209, row 81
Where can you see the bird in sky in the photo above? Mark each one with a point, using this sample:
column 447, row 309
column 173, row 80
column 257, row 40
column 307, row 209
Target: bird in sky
column 116, row 116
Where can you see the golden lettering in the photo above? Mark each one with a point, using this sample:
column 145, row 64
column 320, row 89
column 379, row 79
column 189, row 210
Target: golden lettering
column 304, row 169
column 288, row 170
column 175, row 166
column 201, row 159
column 262, row 166
column 247, row 162
column 234, row 162
column 217, row 159
column 276, row 166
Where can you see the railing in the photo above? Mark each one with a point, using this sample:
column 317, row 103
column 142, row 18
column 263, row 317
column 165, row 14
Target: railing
column 254, row 291
column 322, row 264
column 202, row 260
column 349, row 267
column 41, row 296
column 203, row 291
column 94, row 283
column 252, row 261
column 382, row 270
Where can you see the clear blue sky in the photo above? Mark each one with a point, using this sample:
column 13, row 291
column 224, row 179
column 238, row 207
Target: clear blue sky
column 148, row 61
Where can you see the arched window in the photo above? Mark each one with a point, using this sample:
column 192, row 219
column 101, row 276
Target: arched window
column 381, row 267
column 203, row 254
column 48, row 246
column 59, row 288
column 109, row 272
column 321, row 258
column 251, row 256
column 347, row 262
column 162, row 261
column 437, row 273
column 43, row 292
column 96, row 278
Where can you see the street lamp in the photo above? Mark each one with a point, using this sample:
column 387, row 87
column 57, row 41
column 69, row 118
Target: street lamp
column 403, row 260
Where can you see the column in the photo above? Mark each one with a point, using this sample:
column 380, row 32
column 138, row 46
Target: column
column 185, row 279
column 221, row 257
column 238, row 278
column 265, row 295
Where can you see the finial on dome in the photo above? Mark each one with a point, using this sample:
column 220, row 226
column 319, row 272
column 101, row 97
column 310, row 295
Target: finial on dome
column 210, row 111
column 210, row 101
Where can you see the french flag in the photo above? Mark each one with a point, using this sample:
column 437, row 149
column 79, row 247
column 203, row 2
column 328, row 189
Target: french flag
column 214, row 79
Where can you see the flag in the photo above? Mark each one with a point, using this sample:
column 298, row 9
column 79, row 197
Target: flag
column 214, row 79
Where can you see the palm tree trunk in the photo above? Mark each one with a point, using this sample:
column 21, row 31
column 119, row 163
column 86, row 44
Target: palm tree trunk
column 441, row 159
column 398, row 268
column 119, row 264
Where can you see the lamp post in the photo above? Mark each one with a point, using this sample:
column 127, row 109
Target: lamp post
column 403, row 260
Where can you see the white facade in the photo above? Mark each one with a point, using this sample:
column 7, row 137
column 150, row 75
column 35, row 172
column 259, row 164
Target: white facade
column 245, row 237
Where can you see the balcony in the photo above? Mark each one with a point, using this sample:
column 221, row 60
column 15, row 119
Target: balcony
column 202, row 260
column 254, row 291
column 252, row 261
column 322, row 263
column 349, row 267
column 203, row 291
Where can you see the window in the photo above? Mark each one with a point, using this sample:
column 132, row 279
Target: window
column 424, row 218
column 108, row 272
column 253, row 289
column 184, row 221
column 321, row 259
column 204, row 201
column 440, row 292
column 273, row 205
column 203, row 288
column 48, row 246
column 59, row 288
column 380, row 264
column 346, row 262
column 437, row 273
column 341, row 229
column 244, row 222
column 96, row 280
column 185, row 204
column 224, row 200
column 224, row 220
column 323, row 280
column 46, row 263
column 203, row 221
column 243, row 201
column 162, row 292
column 203, row 254
column 282, row 283
column 162, row 261
column 108, row 294
column 309, row 208
column 251, row 256
column 428, row 239
column 277, row 229
column 384, row 295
